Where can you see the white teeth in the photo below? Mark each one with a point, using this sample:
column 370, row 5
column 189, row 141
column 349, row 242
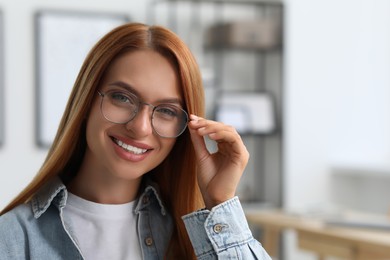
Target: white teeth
column 130, row 148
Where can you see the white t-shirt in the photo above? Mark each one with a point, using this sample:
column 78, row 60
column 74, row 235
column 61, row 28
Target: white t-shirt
column 103, row 231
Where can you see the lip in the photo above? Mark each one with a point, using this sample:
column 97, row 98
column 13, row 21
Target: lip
column 129, row 156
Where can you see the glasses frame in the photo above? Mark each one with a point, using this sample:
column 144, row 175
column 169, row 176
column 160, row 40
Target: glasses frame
column 140, row 103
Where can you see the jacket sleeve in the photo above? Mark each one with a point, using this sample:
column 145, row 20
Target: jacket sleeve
column 223, row 233
column 12, row 242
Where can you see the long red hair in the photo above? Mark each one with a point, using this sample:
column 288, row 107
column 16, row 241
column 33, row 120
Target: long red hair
column 176, row 176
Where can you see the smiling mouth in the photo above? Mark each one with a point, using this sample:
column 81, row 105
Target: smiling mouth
column 129, row 148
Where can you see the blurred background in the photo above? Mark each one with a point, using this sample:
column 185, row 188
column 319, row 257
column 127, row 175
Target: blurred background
column 306, row 83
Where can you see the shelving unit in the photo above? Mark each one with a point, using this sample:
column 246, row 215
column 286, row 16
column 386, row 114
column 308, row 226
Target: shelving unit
column 236, row 70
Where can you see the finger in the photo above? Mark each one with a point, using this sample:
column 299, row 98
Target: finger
column 199, row 122
column 219, row 133
column 222, row 136
column 230, row 141
column 198, row 141
column 205, row 127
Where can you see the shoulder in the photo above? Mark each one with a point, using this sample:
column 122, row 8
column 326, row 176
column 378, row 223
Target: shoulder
column 16, row 217
column 14, row 220
column 13, row 227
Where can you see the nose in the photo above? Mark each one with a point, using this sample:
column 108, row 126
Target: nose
column 141, row 124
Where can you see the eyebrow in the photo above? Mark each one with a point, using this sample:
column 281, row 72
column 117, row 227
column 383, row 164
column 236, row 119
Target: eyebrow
column 129, row 88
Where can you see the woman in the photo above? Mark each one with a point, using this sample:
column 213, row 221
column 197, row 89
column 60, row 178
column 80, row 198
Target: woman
column 128, row 173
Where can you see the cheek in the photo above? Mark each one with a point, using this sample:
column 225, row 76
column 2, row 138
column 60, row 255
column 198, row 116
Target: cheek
column 95, row 124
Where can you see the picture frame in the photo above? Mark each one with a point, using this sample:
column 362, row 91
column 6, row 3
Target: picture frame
column 247, row 112
column 63, row 39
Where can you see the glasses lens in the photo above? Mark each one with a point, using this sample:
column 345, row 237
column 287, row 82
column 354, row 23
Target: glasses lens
column 169, row 120
column 119, row 107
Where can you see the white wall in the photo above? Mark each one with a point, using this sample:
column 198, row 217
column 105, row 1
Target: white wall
column 337, row 93
column 337, row 109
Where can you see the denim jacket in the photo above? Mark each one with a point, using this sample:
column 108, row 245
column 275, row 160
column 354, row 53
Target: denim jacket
column 38, row 230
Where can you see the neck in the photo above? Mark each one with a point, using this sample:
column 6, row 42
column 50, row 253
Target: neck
column 108, row 193
column 102, row 187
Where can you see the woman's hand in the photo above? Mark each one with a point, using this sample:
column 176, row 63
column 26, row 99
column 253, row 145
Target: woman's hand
column 218, row 173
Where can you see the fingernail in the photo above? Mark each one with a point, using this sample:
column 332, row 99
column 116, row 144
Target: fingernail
column 194, row 118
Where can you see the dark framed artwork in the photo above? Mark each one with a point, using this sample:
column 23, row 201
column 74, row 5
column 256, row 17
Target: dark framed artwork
column 63, row 40
column 248, row 112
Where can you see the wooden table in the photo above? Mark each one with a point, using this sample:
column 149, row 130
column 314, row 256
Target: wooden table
column 314, row 235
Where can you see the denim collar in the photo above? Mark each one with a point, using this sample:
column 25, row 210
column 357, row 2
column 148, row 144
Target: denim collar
column 55, row 192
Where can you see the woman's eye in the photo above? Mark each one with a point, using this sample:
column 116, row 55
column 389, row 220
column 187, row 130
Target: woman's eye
column 167, row 111
column 121, row 98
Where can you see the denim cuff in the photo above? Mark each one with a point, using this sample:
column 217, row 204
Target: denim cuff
column 212, row 232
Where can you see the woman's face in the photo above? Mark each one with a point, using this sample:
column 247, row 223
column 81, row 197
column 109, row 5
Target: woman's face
column 127, row 151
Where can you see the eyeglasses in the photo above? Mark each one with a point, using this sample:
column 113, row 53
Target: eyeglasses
column 168, row 120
